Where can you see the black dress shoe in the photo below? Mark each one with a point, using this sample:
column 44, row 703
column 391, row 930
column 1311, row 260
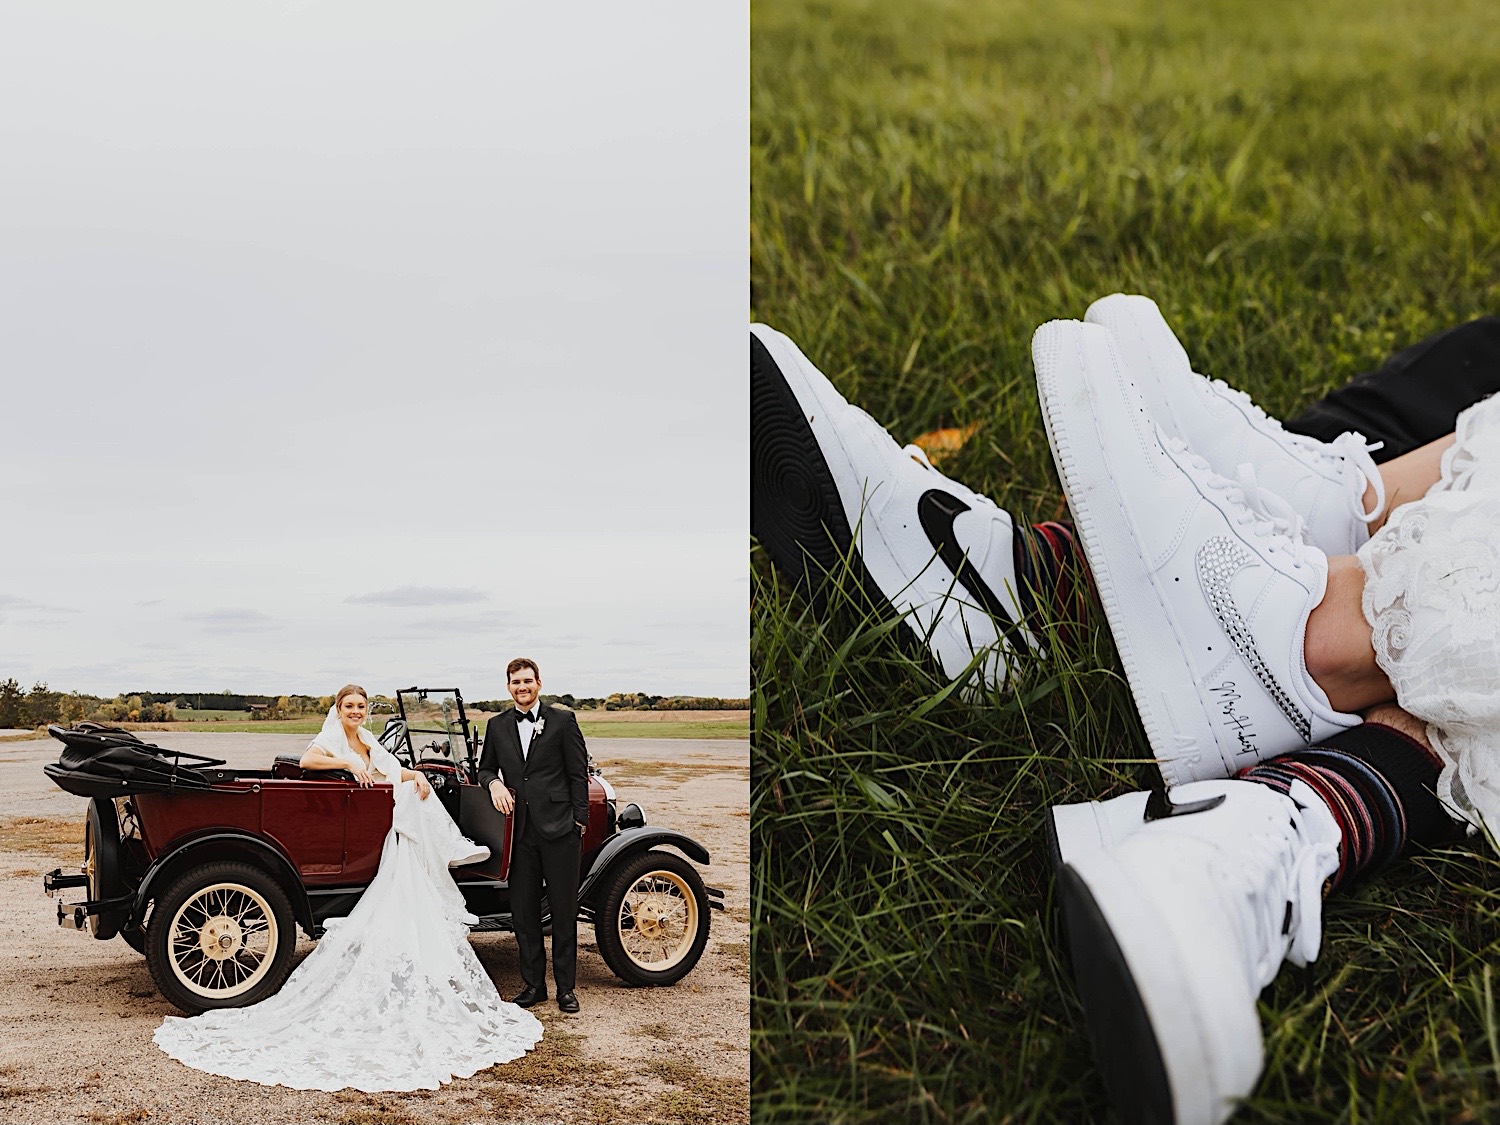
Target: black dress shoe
column 531, row 994
column 567, row 1002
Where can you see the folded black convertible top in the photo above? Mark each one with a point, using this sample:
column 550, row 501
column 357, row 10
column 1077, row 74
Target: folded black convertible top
column 99, row 761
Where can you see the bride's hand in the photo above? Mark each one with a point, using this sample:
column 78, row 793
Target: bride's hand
column 361, row 775
column 424, row 789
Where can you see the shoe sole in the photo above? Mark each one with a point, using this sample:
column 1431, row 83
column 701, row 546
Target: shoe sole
column 797, row 510
column 473, row 857
column 1125, row 1047
column 1150, row 656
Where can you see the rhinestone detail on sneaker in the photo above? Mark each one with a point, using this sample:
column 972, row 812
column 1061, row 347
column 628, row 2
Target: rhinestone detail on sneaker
column 1219, row 560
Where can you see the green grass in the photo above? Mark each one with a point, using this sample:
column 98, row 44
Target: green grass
column 1303, row 188
column 684, row 729
column 248, row 726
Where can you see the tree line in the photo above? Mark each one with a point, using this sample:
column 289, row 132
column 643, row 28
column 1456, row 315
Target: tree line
column 41, row 705
column 628, row 701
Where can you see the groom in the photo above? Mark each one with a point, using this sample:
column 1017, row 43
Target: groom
column 537, row 750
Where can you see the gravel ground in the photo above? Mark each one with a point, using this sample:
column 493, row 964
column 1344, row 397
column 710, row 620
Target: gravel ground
column 79, row 1013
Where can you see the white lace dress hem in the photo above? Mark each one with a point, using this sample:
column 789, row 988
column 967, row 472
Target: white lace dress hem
column 392, row 998
column 1432, row 598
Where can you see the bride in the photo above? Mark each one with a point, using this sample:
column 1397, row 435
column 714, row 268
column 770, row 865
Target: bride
column 392, row 997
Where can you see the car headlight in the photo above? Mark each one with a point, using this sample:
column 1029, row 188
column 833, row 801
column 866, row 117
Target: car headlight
column 631, row 816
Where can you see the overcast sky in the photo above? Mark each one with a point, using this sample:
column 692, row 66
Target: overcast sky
column 370, row 341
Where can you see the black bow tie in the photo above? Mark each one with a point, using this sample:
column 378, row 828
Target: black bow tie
column 525, row 717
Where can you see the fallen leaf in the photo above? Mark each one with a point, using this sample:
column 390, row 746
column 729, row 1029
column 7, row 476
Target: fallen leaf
column 938, row 444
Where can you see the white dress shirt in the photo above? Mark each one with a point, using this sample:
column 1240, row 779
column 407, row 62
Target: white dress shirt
column 527, row 731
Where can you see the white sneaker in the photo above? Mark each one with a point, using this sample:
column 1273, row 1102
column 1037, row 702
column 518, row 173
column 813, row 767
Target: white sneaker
column 1324, row 482
column 479, row 854
column 824, row 474
column 1089, row 826
column 1206, row 591
column 1175, row 931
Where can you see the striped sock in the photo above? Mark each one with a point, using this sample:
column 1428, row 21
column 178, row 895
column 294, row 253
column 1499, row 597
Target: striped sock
column 1380, row 786
column 1050, row 567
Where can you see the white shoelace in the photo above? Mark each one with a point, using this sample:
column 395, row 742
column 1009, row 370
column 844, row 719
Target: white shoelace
column 1347, row 449
column 1356, row 450
column 1286, row 862
column 1268, row 517
column 1268, row 505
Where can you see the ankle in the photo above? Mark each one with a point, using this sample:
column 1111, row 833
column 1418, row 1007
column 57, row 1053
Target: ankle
column 1337, row 645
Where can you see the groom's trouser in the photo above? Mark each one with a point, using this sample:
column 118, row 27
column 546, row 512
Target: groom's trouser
column 1414, row 396
column 555, row 862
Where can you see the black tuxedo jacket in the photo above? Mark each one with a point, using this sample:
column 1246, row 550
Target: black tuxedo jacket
column 552, row 782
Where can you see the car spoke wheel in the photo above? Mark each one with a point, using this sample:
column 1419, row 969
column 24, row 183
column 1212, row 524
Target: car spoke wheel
column 652, row 925
column 658, row 920
column 220, row 937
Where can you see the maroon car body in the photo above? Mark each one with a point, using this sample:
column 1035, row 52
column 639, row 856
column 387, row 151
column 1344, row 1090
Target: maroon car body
column 329, row 831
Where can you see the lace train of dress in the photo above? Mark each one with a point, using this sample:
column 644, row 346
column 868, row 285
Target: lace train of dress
column 392, row 998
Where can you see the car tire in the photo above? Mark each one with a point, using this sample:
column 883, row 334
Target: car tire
column 220, row 936
column 101, row 863
column 652, row 923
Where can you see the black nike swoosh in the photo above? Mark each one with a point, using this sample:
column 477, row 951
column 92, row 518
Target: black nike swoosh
column 936, row 510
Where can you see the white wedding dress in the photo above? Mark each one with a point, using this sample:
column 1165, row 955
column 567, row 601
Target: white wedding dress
column 392, row 997
column 1432, row 598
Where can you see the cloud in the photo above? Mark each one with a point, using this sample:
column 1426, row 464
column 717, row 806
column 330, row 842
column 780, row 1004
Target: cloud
column 13, row 601
column 406, row 596
column 232, row 620
column 90, row 677
column 435, row 628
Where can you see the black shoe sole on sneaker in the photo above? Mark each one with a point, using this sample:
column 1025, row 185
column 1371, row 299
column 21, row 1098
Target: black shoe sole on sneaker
column 1125, row 1047
column 795, row 509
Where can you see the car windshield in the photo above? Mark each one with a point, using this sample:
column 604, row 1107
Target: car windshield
column 432, row 718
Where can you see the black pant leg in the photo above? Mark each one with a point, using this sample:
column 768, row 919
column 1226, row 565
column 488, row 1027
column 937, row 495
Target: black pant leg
column 1415, row 396
column 560, row 863
column 526, row 873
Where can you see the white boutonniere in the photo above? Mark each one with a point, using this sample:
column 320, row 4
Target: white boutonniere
column 540, row 725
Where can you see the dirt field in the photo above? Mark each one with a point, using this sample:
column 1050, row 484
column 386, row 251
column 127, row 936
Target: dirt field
column 79, row 1013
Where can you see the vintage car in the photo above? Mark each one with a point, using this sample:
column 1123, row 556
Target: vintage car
column 204, row 868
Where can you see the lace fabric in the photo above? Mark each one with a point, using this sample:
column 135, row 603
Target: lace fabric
column 392, row 998
column 1432, row 598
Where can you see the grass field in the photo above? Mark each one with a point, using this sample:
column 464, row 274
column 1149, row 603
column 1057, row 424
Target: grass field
column 1303, row 188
